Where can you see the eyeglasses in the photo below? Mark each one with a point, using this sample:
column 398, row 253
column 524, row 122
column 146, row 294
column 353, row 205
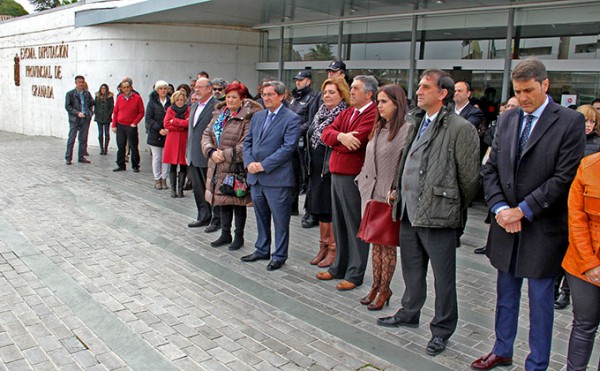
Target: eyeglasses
column 268, row 95
column 217, row 89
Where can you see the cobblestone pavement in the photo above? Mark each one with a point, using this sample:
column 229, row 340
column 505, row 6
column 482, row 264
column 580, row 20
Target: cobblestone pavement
column 99, row 271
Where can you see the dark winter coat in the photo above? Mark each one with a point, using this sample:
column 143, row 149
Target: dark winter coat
column 155, row 115
column 104, row 108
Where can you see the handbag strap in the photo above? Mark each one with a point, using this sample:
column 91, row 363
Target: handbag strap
column 374, row 139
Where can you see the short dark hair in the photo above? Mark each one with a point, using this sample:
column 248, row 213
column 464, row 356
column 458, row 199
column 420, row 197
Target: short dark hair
column 443, row 81
column 597, row 100
column 466, row 84
column 79, row 77
column 530, row 68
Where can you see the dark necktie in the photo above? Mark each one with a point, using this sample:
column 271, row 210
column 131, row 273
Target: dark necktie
column 268, row 122
column 525, row 134
column 424, row 127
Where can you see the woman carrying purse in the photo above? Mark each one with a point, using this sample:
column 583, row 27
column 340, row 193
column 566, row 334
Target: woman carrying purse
column 379, row 172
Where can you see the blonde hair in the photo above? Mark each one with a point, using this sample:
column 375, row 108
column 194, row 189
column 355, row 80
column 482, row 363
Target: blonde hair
column 341, row 85
column 590, row 113
column 176, row 96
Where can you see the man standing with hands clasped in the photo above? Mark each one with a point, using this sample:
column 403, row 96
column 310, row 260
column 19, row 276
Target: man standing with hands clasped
column 533, row 161
column 439, row 176
column 268, row 148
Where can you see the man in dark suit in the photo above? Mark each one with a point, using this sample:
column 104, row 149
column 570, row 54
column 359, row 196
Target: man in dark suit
column 463, row 106
column 79, row 104
column 200, row 117
column 268, row 149
column 533, row 160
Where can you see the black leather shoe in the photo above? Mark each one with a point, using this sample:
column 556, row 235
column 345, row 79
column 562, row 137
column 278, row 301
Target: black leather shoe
column 253, row 257
column 136, row 169
column 308, row 221
column 275, row 265
column 237, row 243
column 212, row 228
column 118, row 169
column 436, row 345
column 480, row 250
column 84, row 160
column 198, row 223
column 397, row 320
column 563, row 301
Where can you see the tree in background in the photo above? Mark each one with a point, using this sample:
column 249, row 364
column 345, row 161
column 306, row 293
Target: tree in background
column 11, row 8
column 49, row 4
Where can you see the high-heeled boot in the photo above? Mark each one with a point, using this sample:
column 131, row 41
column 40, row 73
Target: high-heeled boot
column 383, row 298
column 180, row 184
column 173, row 181
column 323, row 243
column 101, row 142
column 376, row 263
column 330, row 257
column 106, row 141
column 388, row 266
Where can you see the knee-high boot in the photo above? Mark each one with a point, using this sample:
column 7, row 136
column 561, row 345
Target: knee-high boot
column 101, row 142
column 330, row 257
column 323, row 243
column 181, row 184
column 173, row 181
column 388, row 266
column 106, row 141
column 376, row 260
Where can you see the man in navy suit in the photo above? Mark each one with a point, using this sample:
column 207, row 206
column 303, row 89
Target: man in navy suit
column 268, row 149
column 80, row 106
column 534, row 158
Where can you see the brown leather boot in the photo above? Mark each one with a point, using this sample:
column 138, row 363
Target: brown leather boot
column 323, row 243
column 330, row 258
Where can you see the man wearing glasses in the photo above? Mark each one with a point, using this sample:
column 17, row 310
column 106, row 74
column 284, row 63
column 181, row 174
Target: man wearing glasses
column 218, row 88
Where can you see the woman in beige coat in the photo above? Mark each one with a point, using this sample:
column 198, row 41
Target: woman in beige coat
column 376, row 179
column 222, row 143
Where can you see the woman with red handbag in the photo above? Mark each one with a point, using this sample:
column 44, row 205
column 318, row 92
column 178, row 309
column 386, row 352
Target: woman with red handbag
column 376, row 179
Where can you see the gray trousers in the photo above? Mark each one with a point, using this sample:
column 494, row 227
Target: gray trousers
column 418, row 246
column 352, row 253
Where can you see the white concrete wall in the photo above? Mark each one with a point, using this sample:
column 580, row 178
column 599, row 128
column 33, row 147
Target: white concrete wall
column 106, row 54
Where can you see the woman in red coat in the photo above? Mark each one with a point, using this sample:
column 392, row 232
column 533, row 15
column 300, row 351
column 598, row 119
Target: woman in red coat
column 176, row 123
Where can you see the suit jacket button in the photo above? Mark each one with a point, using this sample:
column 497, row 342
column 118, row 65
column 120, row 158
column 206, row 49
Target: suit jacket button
column 545, row 205
column 507, row 185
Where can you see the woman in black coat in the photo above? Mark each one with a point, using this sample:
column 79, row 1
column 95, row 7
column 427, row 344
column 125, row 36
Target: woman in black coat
column 103, row 109
column 158, row 103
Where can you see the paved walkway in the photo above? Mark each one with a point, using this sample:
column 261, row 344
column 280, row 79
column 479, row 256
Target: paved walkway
column 99, row 271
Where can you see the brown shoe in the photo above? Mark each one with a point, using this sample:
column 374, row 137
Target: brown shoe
column 370, row 296
column 345, row 286
column 163, row 183
column 157, row 184
column 324, row 276
column 490, row 361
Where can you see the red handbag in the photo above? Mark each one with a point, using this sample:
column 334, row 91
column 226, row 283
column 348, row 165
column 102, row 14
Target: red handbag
column 377, row 226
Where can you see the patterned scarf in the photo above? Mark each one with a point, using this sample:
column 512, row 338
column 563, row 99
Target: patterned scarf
column 221, row 121
column 323, row 118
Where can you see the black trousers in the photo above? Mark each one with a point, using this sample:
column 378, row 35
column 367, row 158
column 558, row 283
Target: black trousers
column 205, row 211
column 419, row 246
column 586, row 317
column 78, row 130
column 227, row 215
column 128, row 134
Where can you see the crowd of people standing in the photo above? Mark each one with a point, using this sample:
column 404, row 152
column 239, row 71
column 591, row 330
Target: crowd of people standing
column 348, row 144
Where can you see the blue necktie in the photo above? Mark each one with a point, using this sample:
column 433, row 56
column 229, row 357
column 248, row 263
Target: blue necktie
column 525, row 134
column 266, row 125
column 424, row 127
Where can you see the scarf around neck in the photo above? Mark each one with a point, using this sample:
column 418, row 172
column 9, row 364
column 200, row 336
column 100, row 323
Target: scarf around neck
column 221, row 121
column 323, row 118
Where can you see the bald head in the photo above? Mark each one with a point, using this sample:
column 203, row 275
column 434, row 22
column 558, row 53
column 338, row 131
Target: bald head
column 203, row 88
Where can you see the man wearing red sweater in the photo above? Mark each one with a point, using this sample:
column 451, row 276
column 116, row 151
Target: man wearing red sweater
column 348, row 136
column 127, row 114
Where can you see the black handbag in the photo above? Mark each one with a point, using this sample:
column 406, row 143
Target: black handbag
column 235, row 184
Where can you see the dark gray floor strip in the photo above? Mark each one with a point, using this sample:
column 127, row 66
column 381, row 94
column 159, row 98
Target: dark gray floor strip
column 136, row 352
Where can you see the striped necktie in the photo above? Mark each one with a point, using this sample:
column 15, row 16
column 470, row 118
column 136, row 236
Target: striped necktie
column 525, row 134
column 424, row 127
